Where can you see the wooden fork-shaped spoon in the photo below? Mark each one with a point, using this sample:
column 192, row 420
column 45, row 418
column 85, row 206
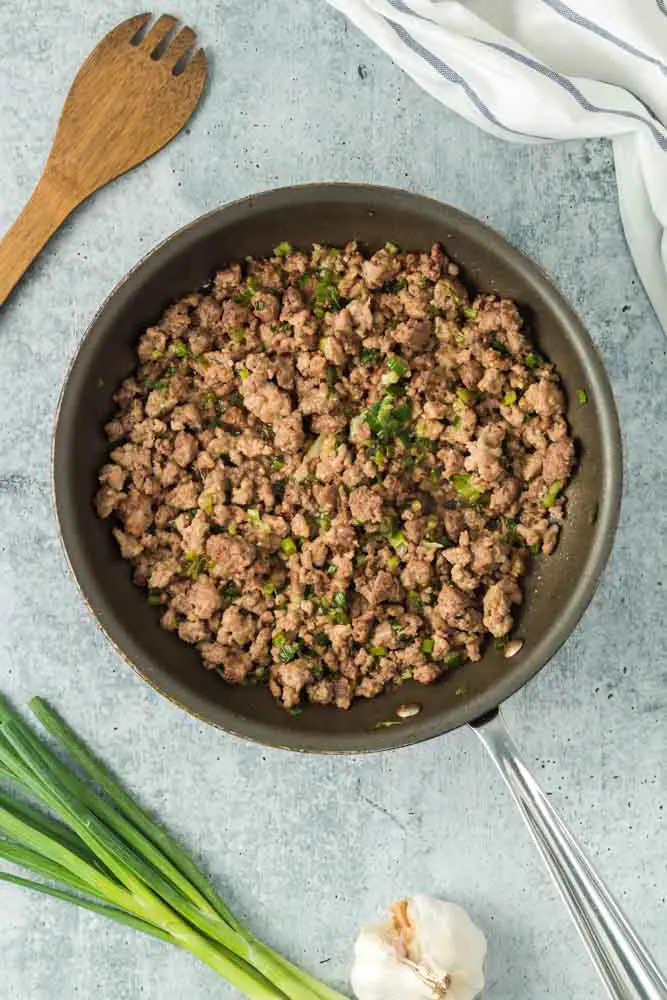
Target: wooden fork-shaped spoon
column 135, row 92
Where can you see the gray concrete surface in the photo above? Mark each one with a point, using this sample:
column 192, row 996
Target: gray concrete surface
column 308, row 849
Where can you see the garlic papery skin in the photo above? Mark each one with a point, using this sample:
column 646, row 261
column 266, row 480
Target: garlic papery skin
column 427, row 950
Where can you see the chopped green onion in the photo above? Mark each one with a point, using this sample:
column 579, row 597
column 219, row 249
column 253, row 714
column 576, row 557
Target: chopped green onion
column 394, row 286
column 535, row 548
column 391, row 248
column 283, row 249
column 279, row 639
column 427, row 646
column 371, row 356
column 454, row 660
column 414, row 600
column 326, row 295
column 398, row 629
column 509, row 399
column 339, row 617
column 287, row 653
column 332, row 569
column 498, row 347
column 552, row 493
column 339, row 599
column 397, row 365
column 323, row 520
column 195, row 565
column 277, row 464
column 155, row 597
column 268, row 589
column 244, row 372
column 532, row 361
column 469, row 312
column 393, row 562
column 288, row 546
column 377, row 650
column 467, row 395
column 206, row 503
column 464, row 487
column 399, row 543
column 321, row 639
column 582, row 396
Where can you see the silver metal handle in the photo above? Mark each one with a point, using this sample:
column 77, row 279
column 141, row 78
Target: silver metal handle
column 625, row 966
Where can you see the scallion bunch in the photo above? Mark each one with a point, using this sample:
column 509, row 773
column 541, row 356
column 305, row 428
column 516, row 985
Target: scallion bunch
column 97, row 848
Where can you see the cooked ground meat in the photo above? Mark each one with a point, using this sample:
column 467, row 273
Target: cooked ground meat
column 330, row 470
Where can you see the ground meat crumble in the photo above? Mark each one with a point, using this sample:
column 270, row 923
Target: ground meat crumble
column 330, row 470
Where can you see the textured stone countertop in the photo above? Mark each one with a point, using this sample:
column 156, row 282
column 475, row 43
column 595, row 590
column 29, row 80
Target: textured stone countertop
column 307, row 849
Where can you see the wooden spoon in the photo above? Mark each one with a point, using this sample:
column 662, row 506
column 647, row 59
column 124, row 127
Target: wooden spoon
column 135, row 92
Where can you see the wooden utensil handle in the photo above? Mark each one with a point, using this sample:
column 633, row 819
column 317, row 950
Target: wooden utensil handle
column 44, row 213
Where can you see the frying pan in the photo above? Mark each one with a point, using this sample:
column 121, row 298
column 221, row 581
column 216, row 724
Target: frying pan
column 557, row 591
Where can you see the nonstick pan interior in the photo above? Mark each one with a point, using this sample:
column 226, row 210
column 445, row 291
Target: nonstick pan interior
column 557, row 590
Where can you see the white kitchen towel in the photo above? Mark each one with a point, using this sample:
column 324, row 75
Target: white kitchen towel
column 546, row 70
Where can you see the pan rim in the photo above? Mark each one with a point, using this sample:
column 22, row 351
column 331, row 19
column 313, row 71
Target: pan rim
column 274, row 735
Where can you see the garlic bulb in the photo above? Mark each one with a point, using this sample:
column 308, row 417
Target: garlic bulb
column 428, row 950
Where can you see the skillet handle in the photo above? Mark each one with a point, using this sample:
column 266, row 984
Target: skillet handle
column 626, row 968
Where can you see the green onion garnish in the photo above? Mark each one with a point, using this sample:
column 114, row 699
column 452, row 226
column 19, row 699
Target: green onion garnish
column 287, row 653
column 464, row 487
column 377, row 650
column 532, row 361
column 509, row 398
column 371, row 356
column 399, row 543
column 498, row 347
column 552, row 493
column 582, row 396
column 288, row 546
column 426, row 646
column 283, row 249
column 391, row 248
column 454, row 660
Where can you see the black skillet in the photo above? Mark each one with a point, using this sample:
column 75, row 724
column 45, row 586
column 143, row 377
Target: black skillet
column 557, row 591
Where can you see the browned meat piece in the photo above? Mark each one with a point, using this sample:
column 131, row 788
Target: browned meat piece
column 544, row 397
column 136, row 512
column 330, row 468
column 203, row 598
column 498, row 602
column 231, row 556
column 185, row 448
column 558, row 461
column 365, row 505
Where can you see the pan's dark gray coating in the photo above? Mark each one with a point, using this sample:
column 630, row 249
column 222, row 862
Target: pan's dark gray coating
column 557, row 591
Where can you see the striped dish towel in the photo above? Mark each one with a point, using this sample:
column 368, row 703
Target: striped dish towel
column 545, row 70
